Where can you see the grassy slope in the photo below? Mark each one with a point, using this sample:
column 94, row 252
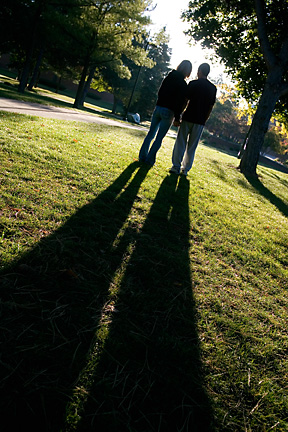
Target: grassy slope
column 147, row 301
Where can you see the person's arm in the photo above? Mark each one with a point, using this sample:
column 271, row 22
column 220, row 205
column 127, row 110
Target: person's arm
column 177, row 120
column 211, row 106
column 209, row 112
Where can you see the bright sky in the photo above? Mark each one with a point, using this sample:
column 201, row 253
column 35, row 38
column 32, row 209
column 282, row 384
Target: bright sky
column 167, row 14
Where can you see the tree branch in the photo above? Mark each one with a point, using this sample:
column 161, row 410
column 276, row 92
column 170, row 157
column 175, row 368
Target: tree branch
column 284, row 90
column 283, row 55
column 269, row 56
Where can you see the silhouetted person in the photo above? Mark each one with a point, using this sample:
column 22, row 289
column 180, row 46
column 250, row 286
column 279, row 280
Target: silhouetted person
column 169, row 106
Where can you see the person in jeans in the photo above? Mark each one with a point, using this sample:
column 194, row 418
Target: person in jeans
column 169, row 106
column 202, row 96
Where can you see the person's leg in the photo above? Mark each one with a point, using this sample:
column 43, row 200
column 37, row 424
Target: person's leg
column 155, row 121
column 180, row 146
column 167, row 117
column 195, row 135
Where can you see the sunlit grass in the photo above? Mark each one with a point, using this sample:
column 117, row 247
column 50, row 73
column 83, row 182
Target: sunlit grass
column 128, row 293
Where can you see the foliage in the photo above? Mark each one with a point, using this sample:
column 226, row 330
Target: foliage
column 91, row 34
column 109, row 34
column 138, row 90
column 230, row 28
column 150, row 79
column 228, row 120
column 135, row 299
column 36, row 27
column 225, row 123
column 15, row 20
column 272, row 141
column 276, row 140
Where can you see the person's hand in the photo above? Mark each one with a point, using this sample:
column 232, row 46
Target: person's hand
column 176, row 123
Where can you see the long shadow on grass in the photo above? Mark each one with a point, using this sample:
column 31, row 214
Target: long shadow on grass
column 51, row 301
column 270, row 196
column 148, row 376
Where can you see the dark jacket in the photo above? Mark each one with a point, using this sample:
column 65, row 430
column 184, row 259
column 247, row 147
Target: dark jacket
column 172, row 93
column 202, row 95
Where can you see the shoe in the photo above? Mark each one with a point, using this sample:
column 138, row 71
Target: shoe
column 182, row 172
column 174, row 170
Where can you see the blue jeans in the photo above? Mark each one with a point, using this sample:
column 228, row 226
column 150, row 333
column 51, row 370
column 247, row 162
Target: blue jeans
column 161, row 121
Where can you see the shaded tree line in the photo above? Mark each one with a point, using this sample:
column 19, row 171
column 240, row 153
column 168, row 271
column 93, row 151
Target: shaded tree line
column 89, row 41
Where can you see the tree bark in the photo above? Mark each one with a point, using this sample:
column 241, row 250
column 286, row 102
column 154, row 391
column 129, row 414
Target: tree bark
column 36, row 70
column 260, row 123
column 30, row 50
column 79, row 99
column 115, row 103
column 87, row 85
column 79, row 94
column 58, row 84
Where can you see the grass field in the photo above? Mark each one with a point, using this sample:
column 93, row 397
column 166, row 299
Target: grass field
column 134, row 300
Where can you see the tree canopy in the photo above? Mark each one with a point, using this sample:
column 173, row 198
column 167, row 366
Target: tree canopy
column 139, row 93
column 151, row 78
column 108, row 32
column 74, row 35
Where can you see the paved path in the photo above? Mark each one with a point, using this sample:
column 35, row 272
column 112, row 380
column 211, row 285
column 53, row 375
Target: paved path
column 72, row 114
column 39, row 110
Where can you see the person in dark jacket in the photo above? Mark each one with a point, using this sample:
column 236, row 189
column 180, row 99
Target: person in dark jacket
column 169, row 106
column 202, row 96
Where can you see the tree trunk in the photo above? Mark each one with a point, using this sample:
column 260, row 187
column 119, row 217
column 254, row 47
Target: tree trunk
column 115, row 103
column 87, row 85
column 30, row 51
column 260, row 123
column 26, row 69
column 36, row 70
column 79, row 94
column 58, row 84
column 132, row 94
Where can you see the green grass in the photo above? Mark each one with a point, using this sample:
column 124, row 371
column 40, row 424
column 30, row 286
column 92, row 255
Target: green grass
column 134, row 300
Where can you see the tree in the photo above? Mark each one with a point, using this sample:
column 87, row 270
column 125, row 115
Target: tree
column 251, row 38
column 225, row 122
column 12, row 13
column 138, row 92
column 72, row 35
column 108, row 30
column 276, row 139
column 135, row 86
column 18, row 20
column 32, row 28
column 150, row 78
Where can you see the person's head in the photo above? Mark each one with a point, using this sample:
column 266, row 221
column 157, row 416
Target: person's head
column 185, row 67
column 203, row 70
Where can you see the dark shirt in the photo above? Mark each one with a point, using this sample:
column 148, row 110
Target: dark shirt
column 172, row 93
column 202, row 95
